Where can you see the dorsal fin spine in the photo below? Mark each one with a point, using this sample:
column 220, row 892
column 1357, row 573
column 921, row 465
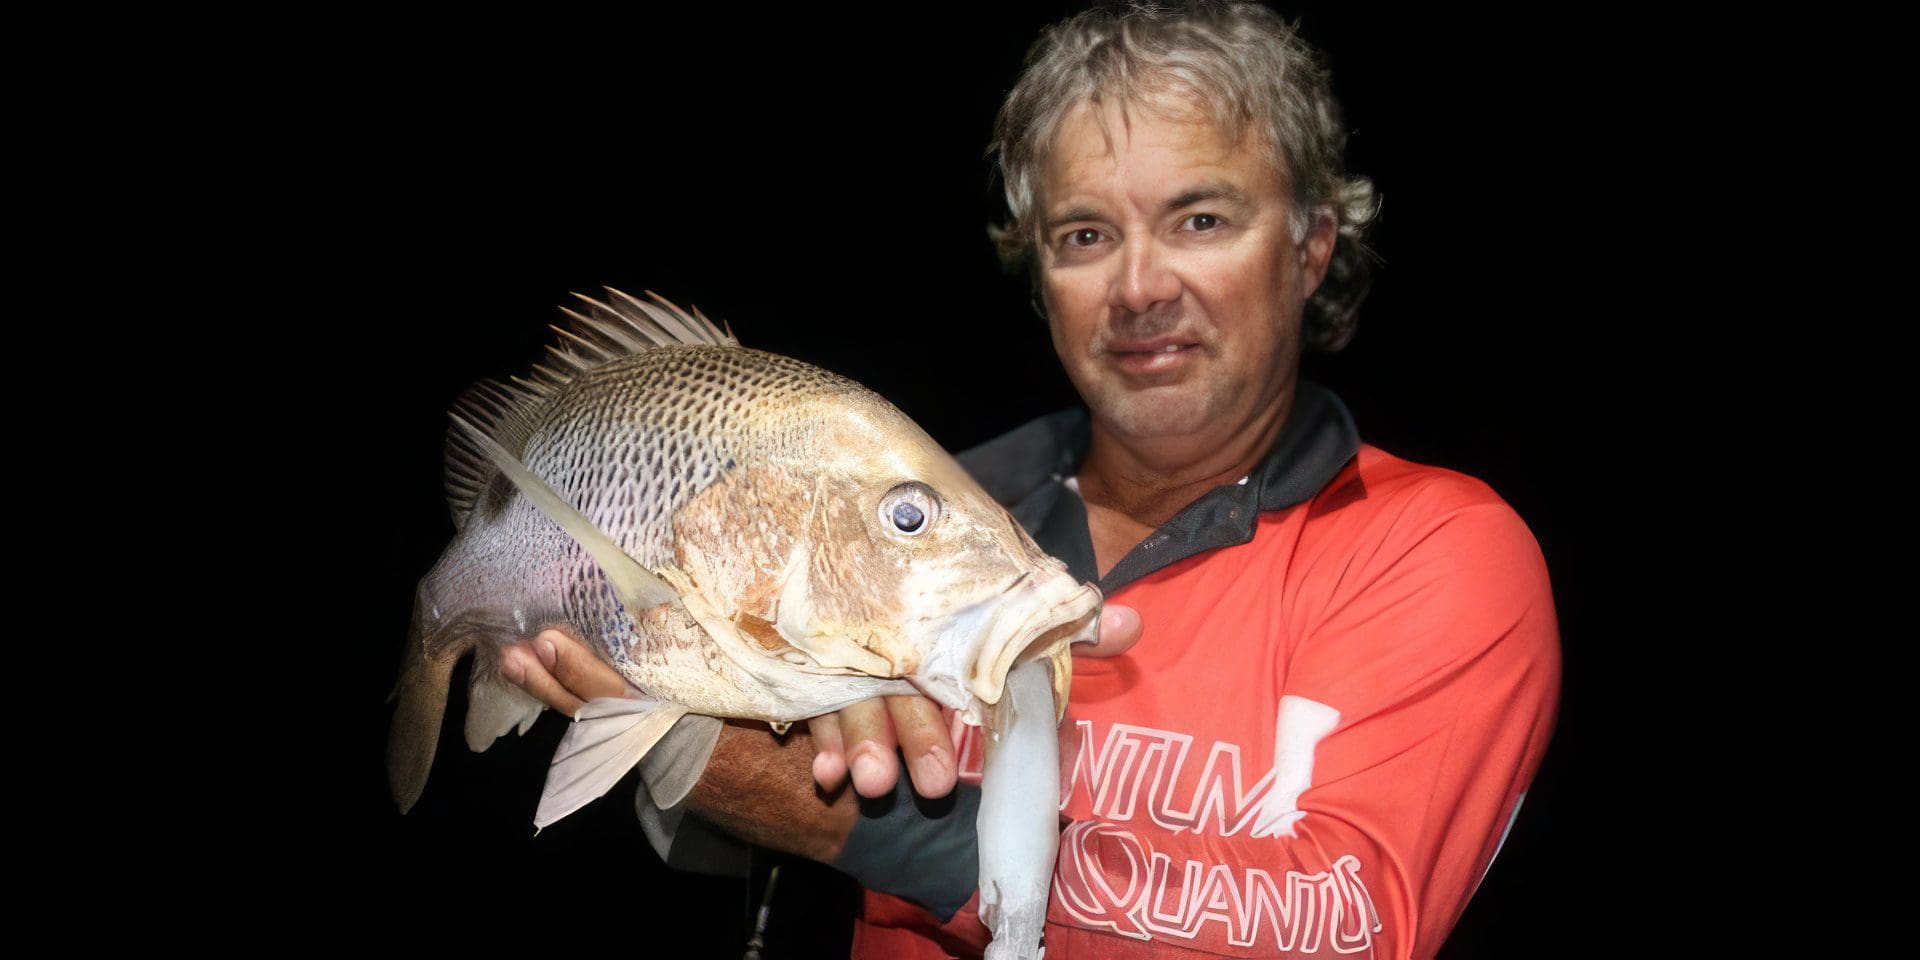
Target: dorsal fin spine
column 506, row 412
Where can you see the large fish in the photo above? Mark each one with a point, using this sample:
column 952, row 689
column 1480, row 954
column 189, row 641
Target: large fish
column 741, row 535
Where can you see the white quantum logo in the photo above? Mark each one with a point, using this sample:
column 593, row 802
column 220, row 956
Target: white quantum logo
column 1110, row 877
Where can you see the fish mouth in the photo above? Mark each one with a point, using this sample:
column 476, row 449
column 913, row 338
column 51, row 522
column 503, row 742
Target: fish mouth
column 1035, row 617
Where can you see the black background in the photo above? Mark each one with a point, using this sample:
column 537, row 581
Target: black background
column 375, row 213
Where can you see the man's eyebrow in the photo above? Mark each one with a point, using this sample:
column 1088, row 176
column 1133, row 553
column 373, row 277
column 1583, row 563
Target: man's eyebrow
column 1070, row 216
column 1213, row 190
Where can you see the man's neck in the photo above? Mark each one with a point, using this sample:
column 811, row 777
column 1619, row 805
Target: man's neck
column 1132, row 487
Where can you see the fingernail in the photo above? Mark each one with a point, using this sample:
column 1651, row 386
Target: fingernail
column 824, row 768
column 512, row 667
column 867, row 769
column 932, row 770
column 548, row 654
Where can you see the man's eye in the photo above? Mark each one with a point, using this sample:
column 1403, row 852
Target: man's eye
column 1203, row 221
column 1083, row 238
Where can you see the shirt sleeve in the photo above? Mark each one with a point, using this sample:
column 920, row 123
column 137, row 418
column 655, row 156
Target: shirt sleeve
column 923, row 851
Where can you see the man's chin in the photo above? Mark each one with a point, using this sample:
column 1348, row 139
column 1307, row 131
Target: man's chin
column 1151, row 415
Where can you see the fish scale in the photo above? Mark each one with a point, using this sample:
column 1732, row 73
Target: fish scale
column 604, row 421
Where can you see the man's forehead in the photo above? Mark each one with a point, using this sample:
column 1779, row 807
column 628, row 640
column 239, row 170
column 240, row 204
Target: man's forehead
column 1182, row 136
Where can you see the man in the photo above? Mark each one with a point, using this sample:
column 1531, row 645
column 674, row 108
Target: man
column 1347, row 664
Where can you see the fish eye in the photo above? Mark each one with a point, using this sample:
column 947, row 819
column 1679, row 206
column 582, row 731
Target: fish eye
column 907, row 518
column 909, row 508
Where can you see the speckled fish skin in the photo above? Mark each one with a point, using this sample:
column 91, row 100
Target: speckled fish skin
column 764, row 492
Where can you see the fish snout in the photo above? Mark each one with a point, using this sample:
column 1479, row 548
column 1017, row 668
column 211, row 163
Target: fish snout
column 970, row 652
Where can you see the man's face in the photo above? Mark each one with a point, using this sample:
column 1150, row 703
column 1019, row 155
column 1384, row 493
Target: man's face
column 1173, row 287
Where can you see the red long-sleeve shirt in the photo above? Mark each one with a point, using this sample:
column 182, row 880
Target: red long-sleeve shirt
column 1317, row 745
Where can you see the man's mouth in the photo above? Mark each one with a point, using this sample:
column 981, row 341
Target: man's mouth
column 1158, row 355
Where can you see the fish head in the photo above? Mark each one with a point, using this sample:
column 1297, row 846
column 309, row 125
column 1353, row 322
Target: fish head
column 902, row 565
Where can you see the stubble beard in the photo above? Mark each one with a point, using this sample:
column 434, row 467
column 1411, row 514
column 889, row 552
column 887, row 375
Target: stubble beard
column 1181, row 407
column 1176, row 409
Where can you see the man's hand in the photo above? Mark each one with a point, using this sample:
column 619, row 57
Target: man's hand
column 914, row 724
column 564, row 674
column 560, row 671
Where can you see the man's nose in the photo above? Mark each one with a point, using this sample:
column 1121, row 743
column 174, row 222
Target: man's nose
column 1146, row 278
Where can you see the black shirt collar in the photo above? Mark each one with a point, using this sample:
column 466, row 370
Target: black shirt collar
column 1026, row 470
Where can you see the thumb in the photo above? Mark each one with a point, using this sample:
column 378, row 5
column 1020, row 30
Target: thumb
column 1119, row 631
column 556, row 670
column 576, row 667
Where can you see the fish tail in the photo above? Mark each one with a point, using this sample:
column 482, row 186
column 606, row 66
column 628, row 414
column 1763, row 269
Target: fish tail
column 426, row 670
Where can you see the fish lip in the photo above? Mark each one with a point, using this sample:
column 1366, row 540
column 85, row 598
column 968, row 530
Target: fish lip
column 1037, row 635
column 967, row 672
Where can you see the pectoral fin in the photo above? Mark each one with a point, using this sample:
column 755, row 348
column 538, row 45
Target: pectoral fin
column 608, row 737
column 638, row 587
column 676, row 762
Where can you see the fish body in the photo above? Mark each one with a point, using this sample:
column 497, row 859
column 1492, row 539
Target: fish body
column 738, row 533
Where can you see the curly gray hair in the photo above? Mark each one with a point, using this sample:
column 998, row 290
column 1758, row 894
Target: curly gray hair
column 1239, row 64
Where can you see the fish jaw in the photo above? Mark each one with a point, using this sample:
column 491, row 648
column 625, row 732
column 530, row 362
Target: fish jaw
column 970, row 651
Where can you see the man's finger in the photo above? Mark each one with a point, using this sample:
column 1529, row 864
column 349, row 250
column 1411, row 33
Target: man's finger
column 521, row 667
column 867, row 731
column 1119, row 631
column 830, row 752
column 925, row 742
column 584, row 675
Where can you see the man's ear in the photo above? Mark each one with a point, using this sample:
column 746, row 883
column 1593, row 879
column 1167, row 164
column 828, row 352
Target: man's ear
column 1316, row 249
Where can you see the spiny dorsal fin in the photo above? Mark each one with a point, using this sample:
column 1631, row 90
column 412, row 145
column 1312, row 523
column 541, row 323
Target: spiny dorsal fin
column 623, row 324
column 502, row 411
column 620, row 326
